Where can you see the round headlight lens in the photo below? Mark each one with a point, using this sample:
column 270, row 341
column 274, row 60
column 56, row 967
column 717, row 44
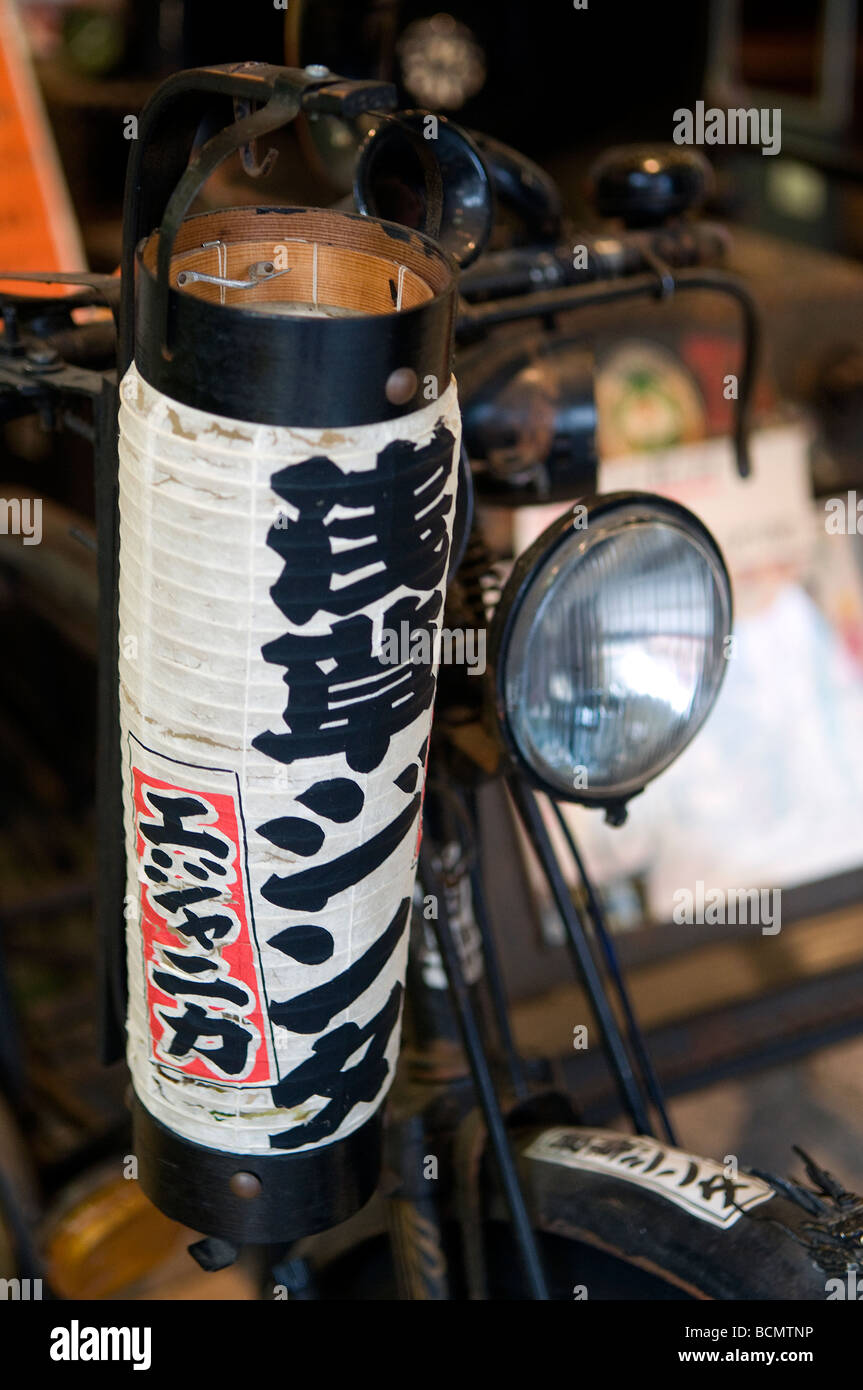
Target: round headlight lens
column 612, row 649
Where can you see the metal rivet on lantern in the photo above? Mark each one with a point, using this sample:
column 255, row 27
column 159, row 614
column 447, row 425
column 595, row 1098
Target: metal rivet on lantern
column 401, row 386
column 245, row 1185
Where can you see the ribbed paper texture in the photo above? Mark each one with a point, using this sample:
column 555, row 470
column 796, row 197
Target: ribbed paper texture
column 242, row 948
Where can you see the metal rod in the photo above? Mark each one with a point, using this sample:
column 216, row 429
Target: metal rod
column 111, row 876
column 258, row 275
column 613, row 1041
column 496, row 989
column 609, row 951
column 474, row 320
column 492, row 975
column 484, row 1083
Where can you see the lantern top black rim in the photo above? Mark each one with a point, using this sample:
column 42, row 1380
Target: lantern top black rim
column 271, row 367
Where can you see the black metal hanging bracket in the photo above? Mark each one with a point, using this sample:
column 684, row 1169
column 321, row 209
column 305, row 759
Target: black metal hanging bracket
column 165, row 170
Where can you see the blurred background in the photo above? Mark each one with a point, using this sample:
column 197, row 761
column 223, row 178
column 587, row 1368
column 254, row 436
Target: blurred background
column 759, row 1040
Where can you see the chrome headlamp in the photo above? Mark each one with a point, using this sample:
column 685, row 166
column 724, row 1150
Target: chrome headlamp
column 609, row 646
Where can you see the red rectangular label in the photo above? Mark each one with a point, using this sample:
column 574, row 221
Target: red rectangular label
column 205, row 996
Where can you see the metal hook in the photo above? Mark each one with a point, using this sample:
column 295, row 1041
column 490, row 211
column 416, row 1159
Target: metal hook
column 258, row 273
column 249, row 152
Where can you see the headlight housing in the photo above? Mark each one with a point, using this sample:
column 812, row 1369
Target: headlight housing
column 609, row 646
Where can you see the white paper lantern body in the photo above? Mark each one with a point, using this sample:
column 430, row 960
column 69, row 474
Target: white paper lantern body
column 272, row 760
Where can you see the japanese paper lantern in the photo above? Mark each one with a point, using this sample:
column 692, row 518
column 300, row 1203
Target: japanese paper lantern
column 288, row 455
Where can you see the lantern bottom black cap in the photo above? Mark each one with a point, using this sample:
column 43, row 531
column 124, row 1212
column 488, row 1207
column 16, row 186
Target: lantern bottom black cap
column 298, row 1194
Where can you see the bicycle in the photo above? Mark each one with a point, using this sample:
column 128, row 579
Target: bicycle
column 514, row 1172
